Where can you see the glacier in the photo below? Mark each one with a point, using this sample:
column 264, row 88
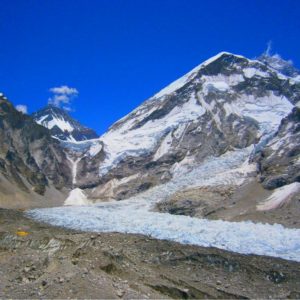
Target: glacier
column 136, row 215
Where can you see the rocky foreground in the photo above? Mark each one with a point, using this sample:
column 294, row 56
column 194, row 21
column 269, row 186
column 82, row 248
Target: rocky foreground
column 40, row 261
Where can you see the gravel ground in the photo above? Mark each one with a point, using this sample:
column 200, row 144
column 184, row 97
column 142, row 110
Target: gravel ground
column 41, row 261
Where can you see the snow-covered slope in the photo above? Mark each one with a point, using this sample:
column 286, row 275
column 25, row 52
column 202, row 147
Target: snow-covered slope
column 62, row 126
column 226, row 102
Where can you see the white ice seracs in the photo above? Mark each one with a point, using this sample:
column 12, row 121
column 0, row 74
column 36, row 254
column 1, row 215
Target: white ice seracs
column 241, row 237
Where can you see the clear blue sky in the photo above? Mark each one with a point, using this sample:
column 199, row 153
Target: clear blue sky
column 117, row 53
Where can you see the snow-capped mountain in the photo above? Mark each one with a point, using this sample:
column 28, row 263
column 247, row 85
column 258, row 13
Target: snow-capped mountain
column 221, row 143
column 62, row 126
column 228, row 102
column 199, row 146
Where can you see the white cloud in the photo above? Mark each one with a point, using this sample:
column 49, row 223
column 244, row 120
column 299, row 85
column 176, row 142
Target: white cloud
column 22, row 108
column 64, row 90
column 62, row 96
column 269, row 52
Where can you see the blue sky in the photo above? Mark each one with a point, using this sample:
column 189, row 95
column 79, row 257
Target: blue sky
column 117, row 53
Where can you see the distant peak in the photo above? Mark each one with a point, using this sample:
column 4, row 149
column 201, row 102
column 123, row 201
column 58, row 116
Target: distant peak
column 52, row 109
column 219, row 55
column 61, row 125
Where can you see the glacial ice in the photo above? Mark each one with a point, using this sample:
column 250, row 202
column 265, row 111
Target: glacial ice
column 135, row 216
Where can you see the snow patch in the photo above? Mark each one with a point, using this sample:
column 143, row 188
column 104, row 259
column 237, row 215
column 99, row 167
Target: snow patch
column 280, row 196
column 77, row 198
column 178, row 133
column 164, row 147
column 268, row 111
column 60, row 123
column 74, row 164
column 41, row 120
column 95, row 149
column 56, row 121
column 216, row 85
column 295, row 79
column 250, row 72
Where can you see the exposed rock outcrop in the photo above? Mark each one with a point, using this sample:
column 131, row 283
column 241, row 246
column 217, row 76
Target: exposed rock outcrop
column 30, row 159
column 279, row 160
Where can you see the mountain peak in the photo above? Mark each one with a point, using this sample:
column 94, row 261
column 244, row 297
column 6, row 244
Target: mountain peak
column 177, row 84
column 61, row 125
column 219, row 55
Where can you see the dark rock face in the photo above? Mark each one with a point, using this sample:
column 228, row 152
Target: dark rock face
column 87, row 170
column 29, row 157
column 62, row 125
column 279, row 160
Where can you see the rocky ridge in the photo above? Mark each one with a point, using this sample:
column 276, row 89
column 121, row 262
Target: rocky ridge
column 279, row 160
column 31, row 161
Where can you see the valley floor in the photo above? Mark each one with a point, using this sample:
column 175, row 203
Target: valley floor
column 52, row 262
